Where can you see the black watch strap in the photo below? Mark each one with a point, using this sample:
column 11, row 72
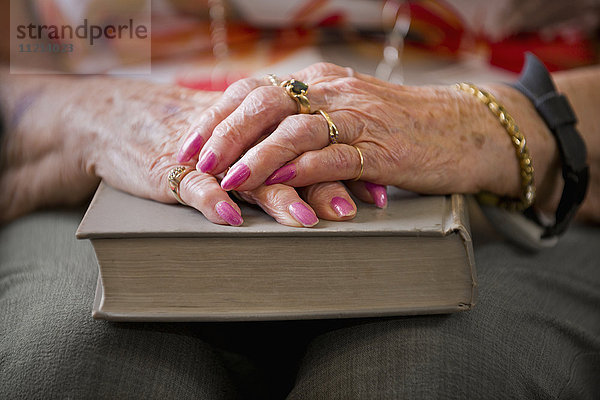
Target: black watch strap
column 554, row 108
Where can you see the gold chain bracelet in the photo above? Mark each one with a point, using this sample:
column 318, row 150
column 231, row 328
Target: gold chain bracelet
column 520, row 144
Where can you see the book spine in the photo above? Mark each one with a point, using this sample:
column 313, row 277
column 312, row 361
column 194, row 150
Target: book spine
column 457, row 221
column 457, row 217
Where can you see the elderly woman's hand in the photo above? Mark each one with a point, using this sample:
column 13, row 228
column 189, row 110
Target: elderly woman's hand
column 425, row 139
column 64, row 134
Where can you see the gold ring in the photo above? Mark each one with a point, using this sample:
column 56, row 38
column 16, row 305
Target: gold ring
column 174, row 178
column 333, row 130
column 362, row 164
column 275, row 81
column 297, row 91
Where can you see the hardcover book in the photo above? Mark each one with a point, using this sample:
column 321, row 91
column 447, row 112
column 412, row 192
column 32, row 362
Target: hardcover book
column 160, row 262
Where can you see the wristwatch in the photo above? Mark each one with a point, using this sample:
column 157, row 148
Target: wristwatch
column 527, row 228
column 554, row 108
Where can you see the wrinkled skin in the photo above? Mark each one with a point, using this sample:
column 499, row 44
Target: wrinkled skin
column 433, row 139
column 65, row 134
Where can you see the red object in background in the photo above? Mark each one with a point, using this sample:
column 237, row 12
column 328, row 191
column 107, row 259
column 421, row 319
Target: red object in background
column 435, row 26
column 214, row 83
column 332, row 21
column 557, row 54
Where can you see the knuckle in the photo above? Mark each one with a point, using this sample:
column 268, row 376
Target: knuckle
column 312, row 163
column 298, row 122
column 315, row 128
column 203, row 123
column 297, row 131
column 336, row 91
column 352, row 126
column 197, row 188
column 339, row 161
column 325, row 190
column 262, row 99
column 214, row 112
column 228, row 132
column 325, row 68
column 240, row 89
column 272, row 197
column 348, row 84
column 291, row 128
column 271, row 153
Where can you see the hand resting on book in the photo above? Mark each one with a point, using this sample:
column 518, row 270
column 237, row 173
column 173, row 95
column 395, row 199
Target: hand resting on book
column 63, row 134
column 431, row 139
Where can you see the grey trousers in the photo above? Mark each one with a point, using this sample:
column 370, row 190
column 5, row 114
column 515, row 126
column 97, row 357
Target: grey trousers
column 535, row 334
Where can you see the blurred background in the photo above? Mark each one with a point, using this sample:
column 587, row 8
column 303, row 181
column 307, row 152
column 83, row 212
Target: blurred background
column 208, row 44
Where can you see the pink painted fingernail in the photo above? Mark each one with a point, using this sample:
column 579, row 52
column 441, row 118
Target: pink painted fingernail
column 229, row 214
column 235, row 177
column 379, row 194
column 283, row 174
column 190, row 147
column 342, row 207
column 207, row 162
column 303, row 214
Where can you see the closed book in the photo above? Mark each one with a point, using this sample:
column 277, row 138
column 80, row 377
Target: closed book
column 160, row 262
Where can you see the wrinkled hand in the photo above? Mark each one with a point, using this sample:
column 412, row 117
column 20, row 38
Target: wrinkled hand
column 248, row 112
column 65, row 134
column 426, row 139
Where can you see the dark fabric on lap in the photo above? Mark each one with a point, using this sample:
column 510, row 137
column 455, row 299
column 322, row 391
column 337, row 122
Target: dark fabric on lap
column 50, row 347
column 535, row 333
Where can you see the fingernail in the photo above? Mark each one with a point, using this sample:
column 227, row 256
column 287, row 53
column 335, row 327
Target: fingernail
column 283, row 174
column 378, row 193
column 190, row 147
column 303, row 214
column 235, row 177
column 342, row 207
column 207, row 162
column 229, row 214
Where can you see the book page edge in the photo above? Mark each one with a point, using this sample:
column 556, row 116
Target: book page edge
column 97, row 312
column 195, row 317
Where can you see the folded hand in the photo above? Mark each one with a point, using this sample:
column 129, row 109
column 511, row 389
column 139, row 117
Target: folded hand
column 64, row 134
column 433, row 139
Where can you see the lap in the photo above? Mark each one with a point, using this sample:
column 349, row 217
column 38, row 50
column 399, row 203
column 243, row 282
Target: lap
column 51, row 347
column 535, row 333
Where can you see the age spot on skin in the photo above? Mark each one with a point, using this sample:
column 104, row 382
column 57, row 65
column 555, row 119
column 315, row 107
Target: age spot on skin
column 479, row 140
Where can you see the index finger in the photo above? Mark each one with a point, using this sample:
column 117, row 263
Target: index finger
column 211, row 117
column 262, row 109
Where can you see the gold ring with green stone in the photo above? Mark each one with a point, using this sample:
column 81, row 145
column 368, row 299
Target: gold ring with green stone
column 297, row 91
